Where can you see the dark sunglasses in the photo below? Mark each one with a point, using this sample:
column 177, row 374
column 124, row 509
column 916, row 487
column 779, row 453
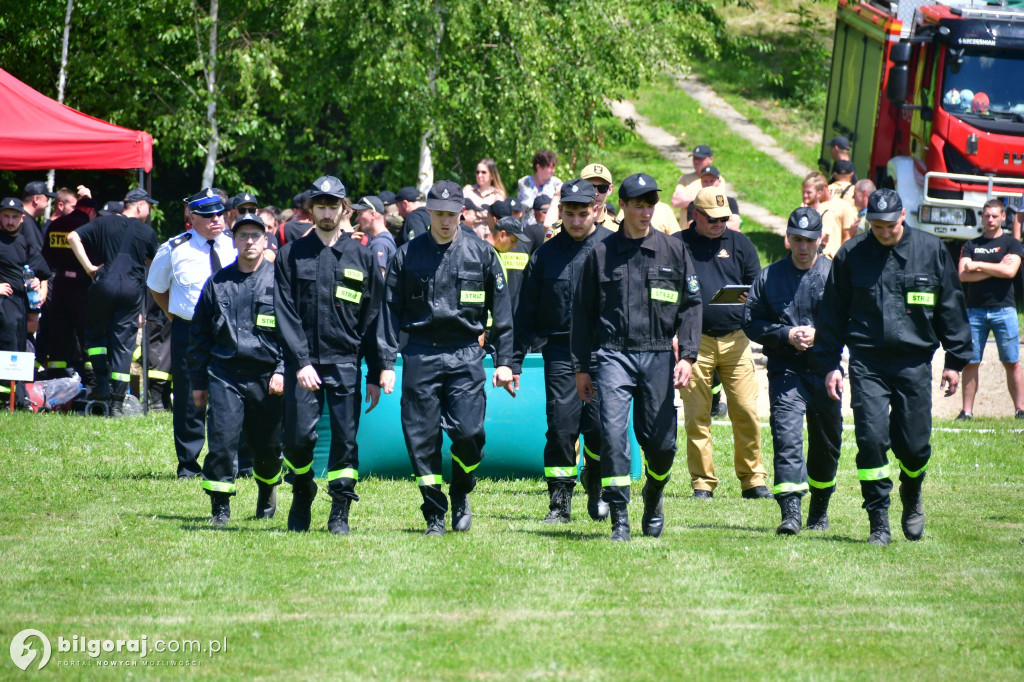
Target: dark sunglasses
column 714, row 220
column 602, row 189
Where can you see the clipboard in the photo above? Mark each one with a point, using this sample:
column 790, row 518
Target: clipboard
column 730, row 294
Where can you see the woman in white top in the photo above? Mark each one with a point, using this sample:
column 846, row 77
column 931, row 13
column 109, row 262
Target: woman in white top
column 488, row 188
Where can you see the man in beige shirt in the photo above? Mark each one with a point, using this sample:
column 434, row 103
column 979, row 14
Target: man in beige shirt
column 688, row 185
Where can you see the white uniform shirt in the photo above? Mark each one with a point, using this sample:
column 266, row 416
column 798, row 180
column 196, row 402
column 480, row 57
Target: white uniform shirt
column 182, row 265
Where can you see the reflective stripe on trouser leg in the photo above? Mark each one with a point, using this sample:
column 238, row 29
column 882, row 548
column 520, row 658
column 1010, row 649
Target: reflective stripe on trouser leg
column 563, row 409
column 617, row 371
column 421, row 424
column 218, row 487
column 654, row 413
column 911, row 424
column 225, row 417
column 464, row 404
column 261, row 429
column 824, row 433
column 302, row 411
column 342, row 390
column 870, row 394
column 788, row 403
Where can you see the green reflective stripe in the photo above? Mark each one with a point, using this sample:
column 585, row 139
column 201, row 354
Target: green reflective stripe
column 266, row 321
column 88, row 365
column 219, row 486
column 57, row 365
column 913, row 474
column 297, row 471
column 664, row 295
column 137, row 354
column 120, row 376
column 920, row 298
column 4, row 389
column 716, row 389
column 97, row 351
column 350, row 295
column 157, row 374
column 656, row 477
column 789, row 488
column 619, row 481
column 352, row 273
column 465, row 468
column 343, row 473
column 592, row 455
column 873, row 474
column 472, row 297
column 430, row 479
column 821, row 484
column 273, row 480
column 561, row 472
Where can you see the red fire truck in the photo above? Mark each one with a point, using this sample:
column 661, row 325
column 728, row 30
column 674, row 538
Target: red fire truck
column 948, row 133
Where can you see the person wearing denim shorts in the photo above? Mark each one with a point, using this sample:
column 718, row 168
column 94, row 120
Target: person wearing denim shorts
column 988, row 266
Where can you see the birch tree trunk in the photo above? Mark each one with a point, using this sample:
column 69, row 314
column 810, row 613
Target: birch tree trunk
column 211, row 90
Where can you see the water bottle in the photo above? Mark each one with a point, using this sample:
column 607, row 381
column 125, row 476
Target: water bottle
column 34, row 302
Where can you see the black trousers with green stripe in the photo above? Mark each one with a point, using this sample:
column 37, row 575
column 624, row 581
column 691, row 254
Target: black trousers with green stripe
column 112, row 321
column 443, row 386
column 340, row 389
column 568, row 417
column 241, row 404
column 791, row 395
column 643, row 379
column 892, row 408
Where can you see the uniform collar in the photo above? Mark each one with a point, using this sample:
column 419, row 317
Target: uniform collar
column 625, row 244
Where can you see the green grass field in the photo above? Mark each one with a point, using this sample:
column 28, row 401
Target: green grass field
column 101, row 541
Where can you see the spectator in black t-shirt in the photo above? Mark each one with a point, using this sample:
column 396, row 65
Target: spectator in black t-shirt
column 988, row 266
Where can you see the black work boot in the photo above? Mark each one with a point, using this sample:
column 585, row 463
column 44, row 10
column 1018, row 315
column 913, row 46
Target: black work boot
column 220, row 509
column 462, row 515
column 337, row 522
column 912, row 519
column 591, row 480
column 653, row 521
column 266, row 500
column 790, row 506
column 116, row 407
column 880, row 535
column 620, row 523
column 435, row 525
column 303, row 493
column 817, row 511
column 561, row 504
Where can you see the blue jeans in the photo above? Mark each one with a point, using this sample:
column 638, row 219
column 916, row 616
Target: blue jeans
column 1002, row 322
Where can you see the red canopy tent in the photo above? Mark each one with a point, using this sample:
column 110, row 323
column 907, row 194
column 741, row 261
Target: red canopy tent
column 38, row 133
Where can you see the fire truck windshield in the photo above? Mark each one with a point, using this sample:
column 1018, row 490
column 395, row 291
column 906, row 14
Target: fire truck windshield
column 985, row 83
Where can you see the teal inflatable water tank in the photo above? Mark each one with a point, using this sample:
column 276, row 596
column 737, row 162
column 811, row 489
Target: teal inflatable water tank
column 515, row 430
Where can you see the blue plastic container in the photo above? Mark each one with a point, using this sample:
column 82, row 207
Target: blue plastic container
column 515, row 429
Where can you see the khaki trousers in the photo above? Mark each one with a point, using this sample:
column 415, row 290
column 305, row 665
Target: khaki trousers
column 730, row 355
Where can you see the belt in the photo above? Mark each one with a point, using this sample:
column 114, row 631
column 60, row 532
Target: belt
column 443, row 345
column 715, row 334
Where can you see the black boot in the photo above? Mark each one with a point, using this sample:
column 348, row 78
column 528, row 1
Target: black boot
column 303, row 493
column 880, row 535
column 266, row 500
column 462, row 515
column 435, row 525
column 561, row 504
column 116, row 407
column 220, row 509
column 653, row 521
column 817, row 511
column 591, row 480
column 912, row 519
column 337, row 522
column 790, row 506
column 620, row 523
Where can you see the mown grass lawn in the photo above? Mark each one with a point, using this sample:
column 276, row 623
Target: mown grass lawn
column 101, row 541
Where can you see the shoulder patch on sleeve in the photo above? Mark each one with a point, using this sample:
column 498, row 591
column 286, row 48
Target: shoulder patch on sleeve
column 180, row 239
column 692, row 285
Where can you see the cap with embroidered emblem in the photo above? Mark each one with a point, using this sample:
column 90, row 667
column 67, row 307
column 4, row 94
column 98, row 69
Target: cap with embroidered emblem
column 578, row 191
column 712, row 202
column 249, row 219
column 513, row 227
column 804, row 222
column 885, row 206
column 597, row 170
column 541, row 202
column 12, row 204
column 327, row 186
column 445, row 195
column 637, row 185
column 205, row 202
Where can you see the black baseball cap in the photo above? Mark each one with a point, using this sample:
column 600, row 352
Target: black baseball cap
column 11, row 204
column 386, row 197
column 369, row 203
column 88, row 202
column 541, row 201
column 884, row 205
column 578, row 191
column 844, row 167
column 249, row 219
column 243, row 198
column 139, row 194
column 327, row 186
column 513, row 227
column 804, row 222
column 445, row 195
column 702, row 151
column 500, row 209
column 300, row 200
column 468, row 203
column 112, row 207
column 711, row 170
column 514, row 204
column 408, row 194
column 840, row 141
column 38, row 187
column 637, row 185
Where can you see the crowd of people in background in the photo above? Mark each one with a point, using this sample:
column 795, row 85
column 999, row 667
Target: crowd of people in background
column 257, row 320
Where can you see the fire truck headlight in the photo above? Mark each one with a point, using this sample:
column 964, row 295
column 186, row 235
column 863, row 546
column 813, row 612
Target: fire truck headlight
column 943, row 215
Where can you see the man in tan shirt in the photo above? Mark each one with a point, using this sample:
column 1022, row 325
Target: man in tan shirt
column 688, row 185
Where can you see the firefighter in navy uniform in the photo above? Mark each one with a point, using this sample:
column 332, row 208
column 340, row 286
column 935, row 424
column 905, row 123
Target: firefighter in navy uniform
column 892, row 297
column 545, row 312
column 236, row 369
column 122, row 247
column 328, row 297
column 440, row 288
column 637, row 291
column 62, row 323
column 779, row 314
column 176, row 278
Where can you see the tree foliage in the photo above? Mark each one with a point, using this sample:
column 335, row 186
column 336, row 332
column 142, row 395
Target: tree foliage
column 351, row 87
